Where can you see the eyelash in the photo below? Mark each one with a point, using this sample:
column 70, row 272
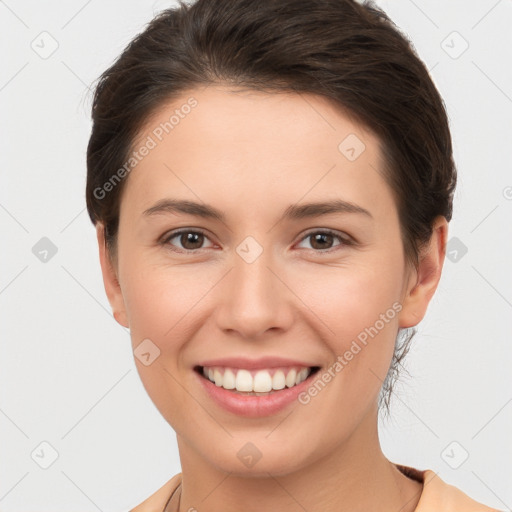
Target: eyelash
column 344, row 241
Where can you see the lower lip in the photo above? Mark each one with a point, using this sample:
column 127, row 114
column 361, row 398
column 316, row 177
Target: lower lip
column 253, row 406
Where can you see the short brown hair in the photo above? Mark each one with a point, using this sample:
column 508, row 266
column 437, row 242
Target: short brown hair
column 346, row 51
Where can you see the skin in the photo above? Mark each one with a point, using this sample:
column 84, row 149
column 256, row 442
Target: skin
column 245, row 152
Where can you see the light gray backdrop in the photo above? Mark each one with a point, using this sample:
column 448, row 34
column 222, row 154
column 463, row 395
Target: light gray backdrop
column 77, row 430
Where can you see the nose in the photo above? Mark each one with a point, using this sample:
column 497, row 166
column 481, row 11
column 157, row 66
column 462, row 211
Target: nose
column 254, row 298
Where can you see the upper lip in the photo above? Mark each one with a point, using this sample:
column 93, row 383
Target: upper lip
column 253, row 364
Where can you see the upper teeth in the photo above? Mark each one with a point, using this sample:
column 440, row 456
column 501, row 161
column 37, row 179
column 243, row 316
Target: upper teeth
column 259, row 381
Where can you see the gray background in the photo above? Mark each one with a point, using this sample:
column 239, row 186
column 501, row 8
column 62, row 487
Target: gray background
column 67, row 376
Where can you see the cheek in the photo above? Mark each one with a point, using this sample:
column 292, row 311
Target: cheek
column 358, row 307
column 347, row 298
column 157, row 302
column 350, row 298
column 158, row 298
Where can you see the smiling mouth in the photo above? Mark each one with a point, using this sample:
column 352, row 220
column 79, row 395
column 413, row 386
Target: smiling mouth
column 256, row 382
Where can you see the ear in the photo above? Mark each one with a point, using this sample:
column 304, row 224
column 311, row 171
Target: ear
column 423, row 282
column 110, row 280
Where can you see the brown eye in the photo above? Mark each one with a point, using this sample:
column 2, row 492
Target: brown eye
column 191, row 240
column 187, row 240
column 321, row 241
column 325, row 240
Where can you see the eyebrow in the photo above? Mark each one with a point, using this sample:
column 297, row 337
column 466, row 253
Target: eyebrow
column 293, row 212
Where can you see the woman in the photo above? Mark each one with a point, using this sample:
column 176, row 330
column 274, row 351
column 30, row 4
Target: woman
column 271, row 184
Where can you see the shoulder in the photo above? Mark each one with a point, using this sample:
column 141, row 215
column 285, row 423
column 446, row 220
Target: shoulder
column 157, row 501
column 437, row 496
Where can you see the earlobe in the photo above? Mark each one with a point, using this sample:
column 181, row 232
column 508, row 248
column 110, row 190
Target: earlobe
column 420, row 292
column 110, row 279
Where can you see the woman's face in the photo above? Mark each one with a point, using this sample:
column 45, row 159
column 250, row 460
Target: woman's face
column 267, row 285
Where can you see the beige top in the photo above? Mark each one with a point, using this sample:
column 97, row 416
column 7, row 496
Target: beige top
column 437, row 496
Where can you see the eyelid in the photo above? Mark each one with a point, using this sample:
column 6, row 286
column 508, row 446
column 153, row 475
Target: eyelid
column 345, row 239
column 164, row 239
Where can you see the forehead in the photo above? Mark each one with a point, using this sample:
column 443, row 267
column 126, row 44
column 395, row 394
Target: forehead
column 245, row 113
column 231, row 145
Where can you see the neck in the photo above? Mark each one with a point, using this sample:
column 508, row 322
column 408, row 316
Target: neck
column 353, row 476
